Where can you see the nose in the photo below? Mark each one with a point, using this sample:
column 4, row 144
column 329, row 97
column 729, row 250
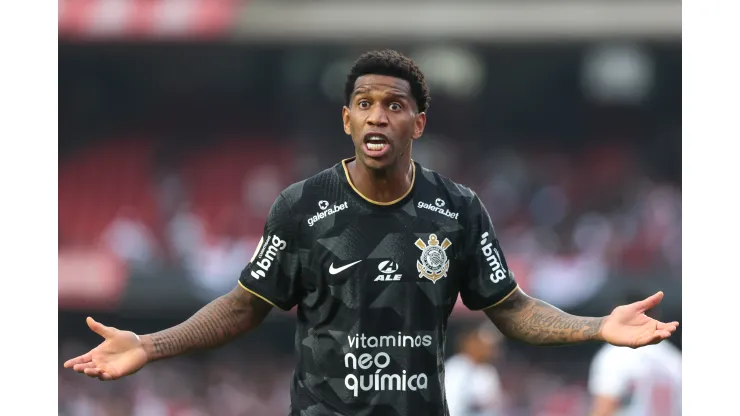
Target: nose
column 377, row 117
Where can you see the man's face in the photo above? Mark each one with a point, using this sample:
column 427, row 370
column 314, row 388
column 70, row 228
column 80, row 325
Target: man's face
column 382, row 119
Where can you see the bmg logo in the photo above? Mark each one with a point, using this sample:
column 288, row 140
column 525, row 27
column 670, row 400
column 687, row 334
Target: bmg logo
column 493, row 258
column 276, row 244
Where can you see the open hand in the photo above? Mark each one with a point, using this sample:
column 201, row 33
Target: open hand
column 122, row 353
column 628, row 326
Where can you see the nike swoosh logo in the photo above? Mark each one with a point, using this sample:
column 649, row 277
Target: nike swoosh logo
column 332, row 270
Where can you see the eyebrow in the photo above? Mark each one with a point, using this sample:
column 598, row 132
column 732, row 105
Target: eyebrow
column 395, row 93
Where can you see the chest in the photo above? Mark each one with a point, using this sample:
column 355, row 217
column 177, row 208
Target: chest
column 412, row 254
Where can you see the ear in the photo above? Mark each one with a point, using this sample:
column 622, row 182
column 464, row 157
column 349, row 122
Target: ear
column 345, row 120
column 419, row 124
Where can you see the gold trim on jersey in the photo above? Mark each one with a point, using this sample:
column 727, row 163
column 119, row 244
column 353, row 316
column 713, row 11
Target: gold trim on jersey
column 352, row 185
column 257, row 294
column 503, row 299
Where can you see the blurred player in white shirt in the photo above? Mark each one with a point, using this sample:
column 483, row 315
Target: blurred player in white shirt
column 636, row 382
column 472, row 383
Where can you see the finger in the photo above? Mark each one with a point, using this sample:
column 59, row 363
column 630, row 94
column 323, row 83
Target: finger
column 653, row 337
column 671, row 327
column 650, row 302
column 93, row 372
column 105, row 377
column 80, row 368
column 660, row 335
column 78, row 360
column 100, row 329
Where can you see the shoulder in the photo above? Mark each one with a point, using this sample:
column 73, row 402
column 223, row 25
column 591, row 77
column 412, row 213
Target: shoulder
column 298, row 193
column 460, row 195
column 606, row 350
column 611, row 371
column 456, row 367
column 610, row 356
column 667, row 349
column 454, row 362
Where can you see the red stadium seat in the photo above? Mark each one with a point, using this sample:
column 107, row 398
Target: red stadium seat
column 217, row 175
column 97, row 182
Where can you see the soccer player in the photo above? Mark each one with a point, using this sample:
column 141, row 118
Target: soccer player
column 645, row 381
column 373, row 251
column 472, row 383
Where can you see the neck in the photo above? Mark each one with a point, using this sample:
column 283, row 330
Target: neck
column 384, row 185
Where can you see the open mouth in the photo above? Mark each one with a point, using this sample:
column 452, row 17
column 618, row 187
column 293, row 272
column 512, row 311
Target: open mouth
column 376, row 142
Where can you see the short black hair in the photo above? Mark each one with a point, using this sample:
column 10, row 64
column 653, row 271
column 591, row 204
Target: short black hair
column 394, row 64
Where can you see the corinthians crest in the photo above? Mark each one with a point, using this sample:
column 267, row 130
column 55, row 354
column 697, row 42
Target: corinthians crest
column 433, row 263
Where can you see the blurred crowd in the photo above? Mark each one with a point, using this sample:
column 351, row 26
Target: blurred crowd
column 568, row 222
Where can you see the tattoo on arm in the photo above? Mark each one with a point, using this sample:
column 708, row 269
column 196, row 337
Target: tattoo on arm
column 539, row 323
column 217, row 323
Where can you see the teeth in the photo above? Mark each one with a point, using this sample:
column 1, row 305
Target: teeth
column 376, row 143
column 376, row 146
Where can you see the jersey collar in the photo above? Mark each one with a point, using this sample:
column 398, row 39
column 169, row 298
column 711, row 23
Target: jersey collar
column 357, row 191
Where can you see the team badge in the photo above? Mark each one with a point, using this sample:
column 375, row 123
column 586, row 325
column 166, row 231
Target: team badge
column 433, row 263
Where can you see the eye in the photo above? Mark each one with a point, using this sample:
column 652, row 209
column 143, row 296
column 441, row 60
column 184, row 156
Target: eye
column 395, row 106
column 363, row 104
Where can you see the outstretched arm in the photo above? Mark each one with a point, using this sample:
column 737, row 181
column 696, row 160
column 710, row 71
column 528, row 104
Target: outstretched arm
column 217, row 323
column 123, row 352
column 536, row 322
column 518, row 316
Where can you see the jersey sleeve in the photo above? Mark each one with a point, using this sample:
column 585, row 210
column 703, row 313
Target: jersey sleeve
column 488, row 280
column 273, row 272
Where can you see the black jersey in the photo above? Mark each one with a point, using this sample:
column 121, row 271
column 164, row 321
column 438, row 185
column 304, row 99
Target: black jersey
column 374, row 284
